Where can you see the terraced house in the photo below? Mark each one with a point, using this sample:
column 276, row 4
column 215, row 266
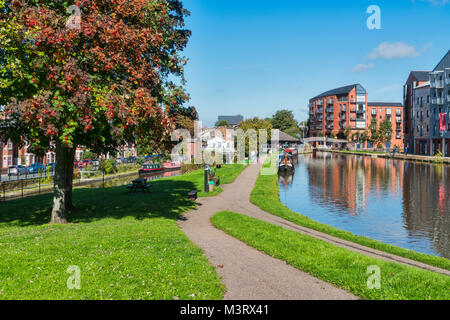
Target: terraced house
column 393, row 111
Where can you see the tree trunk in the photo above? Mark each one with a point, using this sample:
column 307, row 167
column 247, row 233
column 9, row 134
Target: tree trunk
column 62, row 197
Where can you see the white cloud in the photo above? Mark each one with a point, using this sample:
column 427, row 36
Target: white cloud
column 362, row 67
column 388, row 51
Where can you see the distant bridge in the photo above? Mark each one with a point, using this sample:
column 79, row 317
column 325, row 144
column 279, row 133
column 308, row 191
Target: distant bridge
column 325, row 140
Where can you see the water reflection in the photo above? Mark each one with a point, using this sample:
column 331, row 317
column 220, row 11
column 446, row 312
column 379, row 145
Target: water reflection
column 397, row 202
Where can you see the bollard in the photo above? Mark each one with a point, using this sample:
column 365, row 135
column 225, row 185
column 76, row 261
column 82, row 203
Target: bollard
column 206, row 180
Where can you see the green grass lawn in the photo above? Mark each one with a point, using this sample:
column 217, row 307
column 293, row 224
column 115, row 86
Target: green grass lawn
column 127, row 245
column 266, row 196
column 344, row 268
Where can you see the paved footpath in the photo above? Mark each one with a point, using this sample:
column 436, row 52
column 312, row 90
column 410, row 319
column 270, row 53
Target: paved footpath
column 249, row 274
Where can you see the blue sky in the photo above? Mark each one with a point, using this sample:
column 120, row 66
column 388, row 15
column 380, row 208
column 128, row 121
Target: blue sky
column 253, row 57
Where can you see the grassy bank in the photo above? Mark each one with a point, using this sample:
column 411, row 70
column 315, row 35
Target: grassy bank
column 127, row 245
column 344, row 268
column 266, row 196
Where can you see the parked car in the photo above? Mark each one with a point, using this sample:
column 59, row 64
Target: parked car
column 85, row 163
column 35, row 168
column 17, row 170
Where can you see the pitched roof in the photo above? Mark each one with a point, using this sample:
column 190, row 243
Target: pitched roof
column 232, row 120
column 444, row 63
column 421, row 75
column 337, row 91
column 385, row 104
column 284, row 137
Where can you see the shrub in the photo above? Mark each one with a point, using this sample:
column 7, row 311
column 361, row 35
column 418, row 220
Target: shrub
column 108, row 166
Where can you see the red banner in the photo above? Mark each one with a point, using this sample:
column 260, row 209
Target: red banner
column 442, row 122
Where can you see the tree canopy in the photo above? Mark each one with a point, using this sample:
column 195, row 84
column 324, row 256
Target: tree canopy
column 95, row 74
column 222, row 123
column 284, row 120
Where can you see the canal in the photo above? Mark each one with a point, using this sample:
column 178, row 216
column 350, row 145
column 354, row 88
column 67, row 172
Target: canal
column 402, row 203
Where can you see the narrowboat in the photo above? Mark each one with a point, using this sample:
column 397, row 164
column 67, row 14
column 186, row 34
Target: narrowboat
column 174, row 165
column 286, row 162
column 151, row 167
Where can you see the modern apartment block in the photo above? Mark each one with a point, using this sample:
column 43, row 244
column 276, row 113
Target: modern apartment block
column 415, row 79
column 421, row 116
column 332, row 112
column 378, row 111
column 440, row 107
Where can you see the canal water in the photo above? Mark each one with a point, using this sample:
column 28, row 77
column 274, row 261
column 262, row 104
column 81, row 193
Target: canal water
column 406, row 204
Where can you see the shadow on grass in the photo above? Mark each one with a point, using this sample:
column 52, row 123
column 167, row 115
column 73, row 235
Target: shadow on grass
column 167, row 198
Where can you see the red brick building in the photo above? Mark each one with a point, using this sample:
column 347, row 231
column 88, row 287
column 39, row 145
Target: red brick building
column 332, row 112
column 378, row 111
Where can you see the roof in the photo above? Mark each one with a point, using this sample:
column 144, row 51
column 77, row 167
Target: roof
column 421, row 75
column 385, row 104
column 444, row 63
column 232, row 120
column 424, row 85
column 284, row 137
column 337, row 91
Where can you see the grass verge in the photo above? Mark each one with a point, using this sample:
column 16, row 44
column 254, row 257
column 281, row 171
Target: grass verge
column 126, row 245
column 265, row 195
column 343, row 268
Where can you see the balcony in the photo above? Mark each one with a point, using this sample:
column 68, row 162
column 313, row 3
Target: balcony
column 330, row 126
column 343, row 109
column 352, row 109
column 343, row 117
column 330, row 101
column 319, row 110
column 398, row 120
column 360, row 111
column 438, row 101
column 437, row 84
column 330, row 110
column 447, row 80
column 319, row 103
column 330, row 118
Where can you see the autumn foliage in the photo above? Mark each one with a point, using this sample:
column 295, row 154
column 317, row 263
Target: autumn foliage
column 99, row 80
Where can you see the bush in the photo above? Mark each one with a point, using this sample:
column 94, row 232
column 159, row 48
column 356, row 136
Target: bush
column 108, row 166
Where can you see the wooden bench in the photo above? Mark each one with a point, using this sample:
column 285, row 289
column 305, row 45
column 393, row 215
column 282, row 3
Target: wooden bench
column 139, row 184
column 193, row 195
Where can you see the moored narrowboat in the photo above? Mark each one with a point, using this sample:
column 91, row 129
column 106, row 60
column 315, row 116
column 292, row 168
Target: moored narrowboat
column 151, row 167
column 174, row 165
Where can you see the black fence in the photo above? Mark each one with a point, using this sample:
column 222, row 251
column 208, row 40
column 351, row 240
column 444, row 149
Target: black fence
column 24, row 185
